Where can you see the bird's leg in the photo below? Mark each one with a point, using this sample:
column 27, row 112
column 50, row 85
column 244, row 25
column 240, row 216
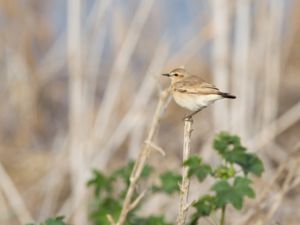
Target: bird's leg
column 190, row 116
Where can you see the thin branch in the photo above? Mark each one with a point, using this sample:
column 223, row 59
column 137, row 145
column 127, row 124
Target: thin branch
column 155, row 147
column 189, row 205
column 142, row 158
column 185, row 184
column 110, row 219
column 137, row 200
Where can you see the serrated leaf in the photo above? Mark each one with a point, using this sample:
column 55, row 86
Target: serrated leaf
column 225, row 142
column 107, row 206
column 221, row 186
column 250, row 163
column 100, row 182
column 192, row 161
column 168, row 182
column 203, row 171
column 205, row 205
column 230, row 148
column 197, row 168
column 254, row 165
column 242, row 186
column 225, row 193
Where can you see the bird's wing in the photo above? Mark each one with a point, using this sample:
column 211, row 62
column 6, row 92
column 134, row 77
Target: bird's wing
column 195, row 85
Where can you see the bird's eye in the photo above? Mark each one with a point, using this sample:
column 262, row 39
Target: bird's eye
column 176, row 74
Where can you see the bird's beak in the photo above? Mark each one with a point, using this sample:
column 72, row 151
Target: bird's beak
column 166, row 74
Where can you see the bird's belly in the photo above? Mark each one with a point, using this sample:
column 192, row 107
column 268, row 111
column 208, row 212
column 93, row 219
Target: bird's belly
column 194, row 102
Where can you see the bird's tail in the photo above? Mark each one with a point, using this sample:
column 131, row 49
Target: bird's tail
column 226, row 95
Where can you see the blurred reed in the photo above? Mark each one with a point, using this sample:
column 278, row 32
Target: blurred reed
column 82, row 96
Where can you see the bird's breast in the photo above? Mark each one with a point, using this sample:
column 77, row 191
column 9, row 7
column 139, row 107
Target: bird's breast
column 194, row 102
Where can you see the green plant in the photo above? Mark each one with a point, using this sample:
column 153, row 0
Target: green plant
column 52, row 221
column 110, row 192
column 231, row 185
column 232, row 182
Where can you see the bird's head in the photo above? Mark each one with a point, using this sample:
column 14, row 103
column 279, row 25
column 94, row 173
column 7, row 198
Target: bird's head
column 176, row 74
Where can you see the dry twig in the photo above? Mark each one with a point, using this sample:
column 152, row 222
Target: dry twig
column 128, row 204
column 184, row 187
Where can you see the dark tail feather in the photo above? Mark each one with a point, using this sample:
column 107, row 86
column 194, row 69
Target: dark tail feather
column 226, row 95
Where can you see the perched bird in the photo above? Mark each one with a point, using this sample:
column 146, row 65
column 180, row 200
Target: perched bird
column 193, row 93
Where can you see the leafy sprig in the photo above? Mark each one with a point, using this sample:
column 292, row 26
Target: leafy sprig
column 110, row 191
column 229, row 187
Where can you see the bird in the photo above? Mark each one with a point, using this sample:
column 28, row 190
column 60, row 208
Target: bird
column 193, row 93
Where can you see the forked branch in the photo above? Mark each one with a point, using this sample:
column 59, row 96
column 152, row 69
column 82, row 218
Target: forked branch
column 130, row 204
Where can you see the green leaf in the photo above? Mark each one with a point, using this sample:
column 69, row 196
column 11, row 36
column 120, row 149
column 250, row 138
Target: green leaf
column 230, row 148
column 224, row 142
column 146, row 172
column 151, row 220
column 100, row 182
column 168, row 182
column 241, row 185
column 125, row 172
column 107, row 206
column 52, row 221
column 224, row 172
column 192, row 161
column 250, row 163
column 225, row 193
column 205, row 205
column 203, row 171
column 253, row 165
column 197, row 168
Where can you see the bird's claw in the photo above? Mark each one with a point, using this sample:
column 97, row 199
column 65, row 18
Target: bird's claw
column 188, row 117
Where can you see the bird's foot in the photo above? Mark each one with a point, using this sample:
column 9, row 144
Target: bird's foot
column 188, row 117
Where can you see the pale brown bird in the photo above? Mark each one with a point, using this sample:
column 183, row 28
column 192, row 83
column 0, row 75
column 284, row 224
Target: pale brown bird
column 193, row 93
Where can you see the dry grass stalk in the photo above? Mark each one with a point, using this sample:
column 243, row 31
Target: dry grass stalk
column 288, row 170
column 14, row 197
column 128, row 204
column 77, row 116
column 185, row 183
column 278, row 126
column 119, row 67
column 142, row 97
column 220, row 58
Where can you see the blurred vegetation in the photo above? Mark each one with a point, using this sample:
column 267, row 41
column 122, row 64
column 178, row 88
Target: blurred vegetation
column 229, row 186
column 79, row 82
column 52, row 221
column 110, row 192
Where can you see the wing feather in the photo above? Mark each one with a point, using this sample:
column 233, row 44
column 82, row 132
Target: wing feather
column 195, row 85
